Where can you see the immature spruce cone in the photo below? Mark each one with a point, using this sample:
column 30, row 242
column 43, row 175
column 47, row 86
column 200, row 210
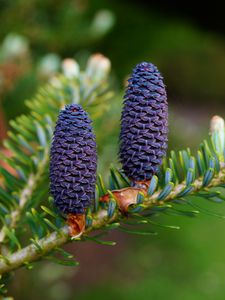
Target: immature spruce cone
column 144, row 123
column 73, row 161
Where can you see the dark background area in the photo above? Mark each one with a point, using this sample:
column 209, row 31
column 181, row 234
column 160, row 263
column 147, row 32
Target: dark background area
column 207, row 15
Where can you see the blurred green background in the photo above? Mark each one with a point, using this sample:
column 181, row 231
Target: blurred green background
column 35, row 36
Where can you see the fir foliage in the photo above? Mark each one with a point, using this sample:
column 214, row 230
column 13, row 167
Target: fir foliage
column 32, row 229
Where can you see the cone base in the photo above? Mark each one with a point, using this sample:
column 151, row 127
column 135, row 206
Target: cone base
column 76, row 223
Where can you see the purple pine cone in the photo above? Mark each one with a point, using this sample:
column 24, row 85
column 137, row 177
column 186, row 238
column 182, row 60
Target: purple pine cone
column 144, row 123
column 73, row 161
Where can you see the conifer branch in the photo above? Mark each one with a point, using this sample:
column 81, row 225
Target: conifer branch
column 196, row 184
column 29, row 142
column 22, row 210
column 25, row 195
column 101, row 220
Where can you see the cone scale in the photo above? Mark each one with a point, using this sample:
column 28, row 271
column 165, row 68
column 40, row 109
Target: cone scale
column 144, row 124
column 73, row 164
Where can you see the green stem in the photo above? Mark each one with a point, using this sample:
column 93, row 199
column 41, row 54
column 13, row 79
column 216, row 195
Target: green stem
column 34, row 252
column 216, row 181
column 43, row 246
column 100, row 220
